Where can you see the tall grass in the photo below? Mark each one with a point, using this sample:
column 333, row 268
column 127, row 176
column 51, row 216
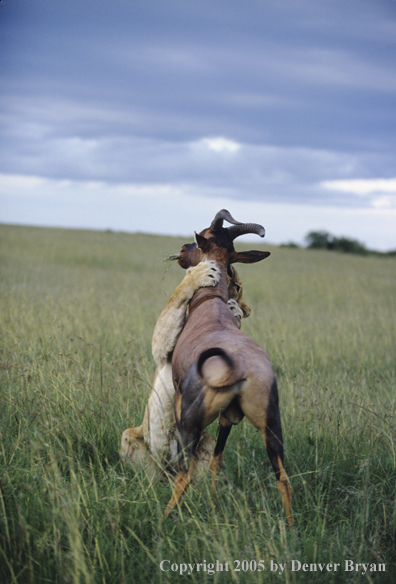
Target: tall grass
column 78, row 309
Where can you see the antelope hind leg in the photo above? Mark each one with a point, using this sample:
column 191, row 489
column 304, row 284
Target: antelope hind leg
column 285, row 491
column 189, row 434
column 181, row 485
column 198, row 465
column 216, row 462
column 267, row 421
column 272, row 437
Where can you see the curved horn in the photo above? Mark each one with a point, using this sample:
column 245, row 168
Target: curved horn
column 243, row 228
column 238, row 228
column 222, row 215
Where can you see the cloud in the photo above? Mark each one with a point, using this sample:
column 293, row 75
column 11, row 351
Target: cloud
column 380, row 192
column 336, row 68
column 179, row 209
column 315, row 76
column 17, row 183
column 210, row 164
column 221, row 144
column 363, row 186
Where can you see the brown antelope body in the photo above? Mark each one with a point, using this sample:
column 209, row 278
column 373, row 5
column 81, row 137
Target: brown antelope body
column 218, row 370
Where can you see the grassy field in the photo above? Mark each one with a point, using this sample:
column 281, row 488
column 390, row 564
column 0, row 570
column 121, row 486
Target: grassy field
column 78, row 309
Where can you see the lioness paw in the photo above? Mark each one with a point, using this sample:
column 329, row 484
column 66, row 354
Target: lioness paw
column 237, row 312
column 205, row 274
column 131, row 443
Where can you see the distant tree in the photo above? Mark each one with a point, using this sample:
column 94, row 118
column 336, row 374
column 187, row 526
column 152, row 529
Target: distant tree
column 319, row 240
column 349, row 246
column 290, row 244
column 324, row 240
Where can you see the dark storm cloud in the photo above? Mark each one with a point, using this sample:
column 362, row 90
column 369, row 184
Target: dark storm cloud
column 128, row 91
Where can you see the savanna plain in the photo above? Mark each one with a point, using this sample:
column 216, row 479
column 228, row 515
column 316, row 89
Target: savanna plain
column 77, row 314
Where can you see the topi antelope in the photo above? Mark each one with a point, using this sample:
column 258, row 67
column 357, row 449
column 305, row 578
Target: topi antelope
column 217, row 369
column 153, row 444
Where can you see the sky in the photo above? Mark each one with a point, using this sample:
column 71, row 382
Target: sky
column 150, row 116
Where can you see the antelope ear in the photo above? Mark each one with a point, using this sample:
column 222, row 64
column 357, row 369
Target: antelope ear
column 203, row 243
column 248, row 257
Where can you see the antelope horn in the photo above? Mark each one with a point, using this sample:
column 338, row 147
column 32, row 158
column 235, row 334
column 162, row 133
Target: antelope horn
column 243, row 228
column 238, row 227
column 222, row 215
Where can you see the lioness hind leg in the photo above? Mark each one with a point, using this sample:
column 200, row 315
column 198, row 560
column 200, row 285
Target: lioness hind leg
column 204, row 453
column 135, row 452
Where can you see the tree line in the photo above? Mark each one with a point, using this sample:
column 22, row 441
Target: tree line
column 327, row 241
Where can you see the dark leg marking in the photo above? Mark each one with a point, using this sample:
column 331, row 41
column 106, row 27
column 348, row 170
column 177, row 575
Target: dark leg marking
column 216, row 461
column 274, row 446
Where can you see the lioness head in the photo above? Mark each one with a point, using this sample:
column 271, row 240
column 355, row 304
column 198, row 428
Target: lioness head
column 235, row 290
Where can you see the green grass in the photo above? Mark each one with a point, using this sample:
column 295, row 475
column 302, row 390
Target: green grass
column 78, row 309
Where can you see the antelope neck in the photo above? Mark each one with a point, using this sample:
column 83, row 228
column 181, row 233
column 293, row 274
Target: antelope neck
column 203, row 294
